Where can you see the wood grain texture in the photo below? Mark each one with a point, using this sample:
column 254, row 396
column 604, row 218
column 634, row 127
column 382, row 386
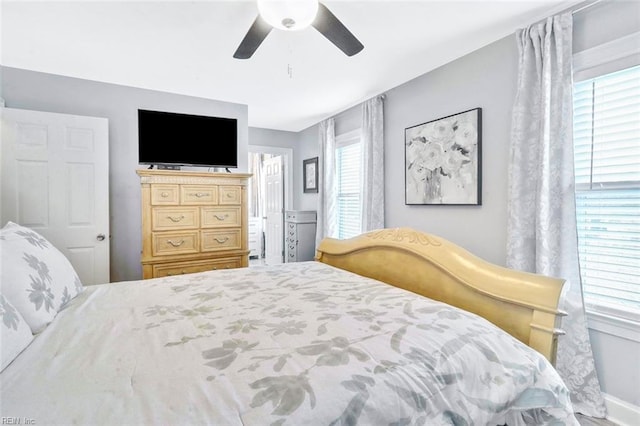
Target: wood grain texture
column 193, row 221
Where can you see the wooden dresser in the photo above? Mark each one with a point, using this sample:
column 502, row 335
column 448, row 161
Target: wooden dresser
column 193, row 221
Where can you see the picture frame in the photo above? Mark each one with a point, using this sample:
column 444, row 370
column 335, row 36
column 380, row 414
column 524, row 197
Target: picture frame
column 443, row 160
column 310, row 175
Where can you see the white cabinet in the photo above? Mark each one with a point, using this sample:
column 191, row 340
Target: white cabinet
column 300, row 235
column 255, row 237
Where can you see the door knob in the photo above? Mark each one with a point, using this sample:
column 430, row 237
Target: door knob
column 100, row 237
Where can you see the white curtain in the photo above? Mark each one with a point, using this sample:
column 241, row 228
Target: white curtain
column 256, row 203
column 373, row 164
column 542, row 235
column 326, row 214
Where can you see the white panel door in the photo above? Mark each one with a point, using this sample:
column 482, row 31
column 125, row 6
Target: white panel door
column 274, row 207
column 55, row 180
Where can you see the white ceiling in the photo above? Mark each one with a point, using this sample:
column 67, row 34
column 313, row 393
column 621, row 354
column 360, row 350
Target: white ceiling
column 294, row 80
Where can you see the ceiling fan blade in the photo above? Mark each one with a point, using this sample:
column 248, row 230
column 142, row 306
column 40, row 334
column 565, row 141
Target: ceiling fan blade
column 252, row 40
column 331, row 27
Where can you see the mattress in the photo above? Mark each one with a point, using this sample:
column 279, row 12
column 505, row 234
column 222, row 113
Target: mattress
column 294, row 344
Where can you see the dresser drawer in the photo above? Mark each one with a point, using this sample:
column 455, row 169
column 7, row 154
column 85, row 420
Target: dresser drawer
column 180, row 268
column 165, row 195
column 198, row 194
column 172, row 218
column 195, row 221
column 221, row 217
column 230, row 195
column 300, row 216
column 170, row 243
column 291, row 233
column 215, row 240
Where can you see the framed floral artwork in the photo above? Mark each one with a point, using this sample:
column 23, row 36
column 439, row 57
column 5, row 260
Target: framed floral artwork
column 443, row 160
column 310, row 174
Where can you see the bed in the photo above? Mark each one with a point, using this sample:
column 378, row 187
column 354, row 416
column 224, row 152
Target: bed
column 453, row 340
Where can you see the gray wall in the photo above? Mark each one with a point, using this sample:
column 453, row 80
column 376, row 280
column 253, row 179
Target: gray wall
column 52, row 93
column 276, row 138
column 605, row 21
column 307, row 148
column 487, row 78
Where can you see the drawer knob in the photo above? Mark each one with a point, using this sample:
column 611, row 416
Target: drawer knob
column 221, row 217
column 222, row 240
column 199, row 194
column 229, row 195
column 176, row 244
column 164, row 194
column 175, row 219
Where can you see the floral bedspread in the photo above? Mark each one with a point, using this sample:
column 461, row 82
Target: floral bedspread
column 293, row 344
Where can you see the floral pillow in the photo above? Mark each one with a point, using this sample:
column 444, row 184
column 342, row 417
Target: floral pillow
column 36, row 277
column 15, row 333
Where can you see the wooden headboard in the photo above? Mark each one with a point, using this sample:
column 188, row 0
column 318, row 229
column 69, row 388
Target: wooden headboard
column 523, row 304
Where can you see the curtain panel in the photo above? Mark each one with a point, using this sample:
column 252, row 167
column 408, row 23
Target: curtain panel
column 373, row 164
column 326, row 211
column 542, row 231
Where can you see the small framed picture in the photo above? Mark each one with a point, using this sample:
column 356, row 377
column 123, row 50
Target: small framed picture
column 310, row 174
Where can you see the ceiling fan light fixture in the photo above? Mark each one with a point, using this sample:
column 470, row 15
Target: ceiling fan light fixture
column 288, row 15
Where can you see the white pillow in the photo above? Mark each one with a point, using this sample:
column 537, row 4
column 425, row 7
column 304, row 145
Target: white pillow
column 36, row 277
column 15, row 334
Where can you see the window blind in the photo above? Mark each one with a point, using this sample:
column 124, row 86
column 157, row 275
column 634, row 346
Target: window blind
column 348, row 164
column 607, row 169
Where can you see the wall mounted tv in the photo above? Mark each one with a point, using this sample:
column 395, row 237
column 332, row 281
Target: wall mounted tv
column 174, row 139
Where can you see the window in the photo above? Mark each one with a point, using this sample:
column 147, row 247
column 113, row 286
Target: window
column 349, row 187
column 607, row 167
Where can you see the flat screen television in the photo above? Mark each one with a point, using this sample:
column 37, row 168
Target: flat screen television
column 174, row 139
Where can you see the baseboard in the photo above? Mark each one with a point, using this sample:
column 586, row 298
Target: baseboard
column 621, row 412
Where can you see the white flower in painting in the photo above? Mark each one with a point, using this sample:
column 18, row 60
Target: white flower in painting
column 432, row 156
column 452, row 161
column 414, row 148
column 466, row 136
column 442, row 132
column 426, row 132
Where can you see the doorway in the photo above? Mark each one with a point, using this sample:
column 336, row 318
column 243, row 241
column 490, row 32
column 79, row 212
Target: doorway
column 270, row 194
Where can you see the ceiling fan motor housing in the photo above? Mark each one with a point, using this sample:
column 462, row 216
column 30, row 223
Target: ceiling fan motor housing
column 288, row 15
column 294, row 15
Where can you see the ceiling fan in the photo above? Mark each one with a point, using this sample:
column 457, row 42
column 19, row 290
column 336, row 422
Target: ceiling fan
column 293, row 15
